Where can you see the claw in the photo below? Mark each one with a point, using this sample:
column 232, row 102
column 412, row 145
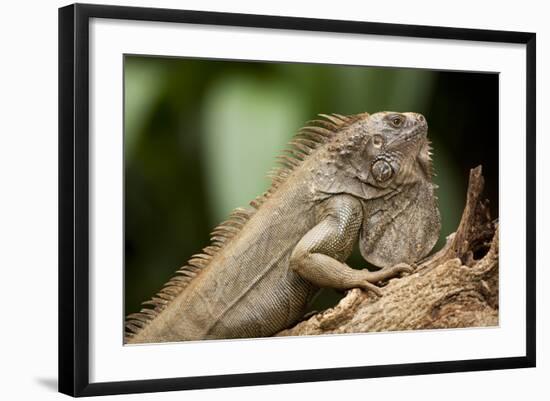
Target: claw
column 403, row 268
column 367, row 286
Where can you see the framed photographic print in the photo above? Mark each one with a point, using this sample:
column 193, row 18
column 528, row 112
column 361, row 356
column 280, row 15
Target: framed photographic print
column 295, row 199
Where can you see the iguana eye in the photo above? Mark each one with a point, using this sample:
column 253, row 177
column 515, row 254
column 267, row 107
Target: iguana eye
column 382, row 170
column 396, row 121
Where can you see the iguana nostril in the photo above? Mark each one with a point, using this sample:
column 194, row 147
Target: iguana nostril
column 420, row 118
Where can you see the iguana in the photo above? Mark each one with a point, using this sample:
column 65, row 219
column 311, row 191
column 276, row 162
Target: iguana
column 344, row 178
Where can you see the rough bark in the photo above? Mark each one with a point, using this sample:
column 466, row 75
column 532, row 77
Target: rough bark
column 455, row 287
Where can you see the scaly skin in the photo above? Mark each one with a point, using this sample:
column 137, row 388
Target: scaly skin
column 370, row 181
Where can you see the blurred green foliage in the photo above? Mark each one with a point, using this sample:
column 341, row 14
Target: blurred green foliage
column 200, row 136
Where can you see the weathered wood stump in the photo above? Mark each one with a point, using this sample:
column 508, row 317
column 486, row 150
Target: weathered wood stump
column 455, row 287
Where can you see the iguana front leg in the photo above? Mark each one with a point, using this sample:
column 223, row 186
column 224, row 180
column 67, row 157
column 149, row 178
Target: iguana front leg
column 318, row 257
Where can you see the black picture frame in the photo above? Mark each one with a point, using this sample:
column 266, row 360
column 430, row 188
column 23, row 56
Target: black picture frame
column 74, row 198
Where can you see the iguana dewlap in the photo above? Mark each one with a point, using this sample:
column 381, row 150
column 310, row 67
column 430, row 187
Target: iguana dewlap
column 347, row 178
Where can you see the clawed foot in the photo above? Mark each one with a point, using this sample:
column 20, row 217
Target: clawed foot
column 369, row 278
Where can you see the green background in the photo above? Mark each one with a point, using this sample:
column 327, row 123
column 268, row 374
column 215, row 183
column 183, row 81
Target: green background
column 200, row 136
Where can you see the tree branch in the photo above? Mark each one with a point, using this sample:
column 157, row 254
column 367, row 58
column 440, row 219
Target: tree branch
column 455, row 287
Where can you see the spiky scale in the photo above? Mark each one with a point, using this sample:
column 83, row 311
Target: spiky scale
column 139, row 316
column 296, row 153
column 333, row 119
column 304, row 149
column 324, row 132
column 210, row 250
column 186, row 273
column 289, row 161
column 314, row 137
column 344, row 119
column 323, row 123
column 170, row 289
column 138, row 322
column 307, row 142
column 218, row 239
column 132, row 327
column 226, row 229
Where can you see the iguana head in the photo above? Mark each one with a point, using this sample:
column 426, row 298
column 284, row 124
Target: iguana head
column 392, row 144
column 375, row 154
column 384, row 160
column 396, row 144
